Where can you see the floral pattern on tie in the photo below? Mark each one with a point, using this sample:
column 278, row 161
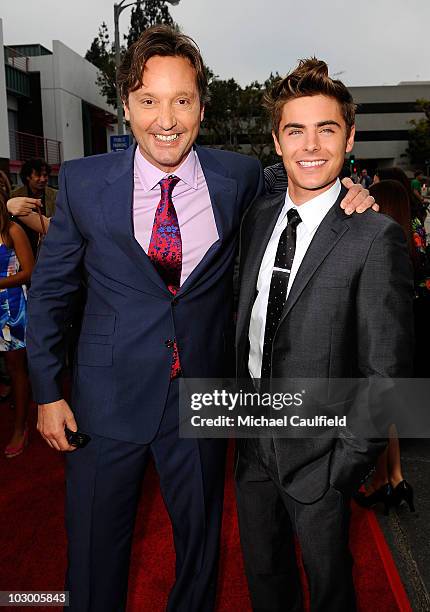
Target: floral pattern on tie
column 165, row 250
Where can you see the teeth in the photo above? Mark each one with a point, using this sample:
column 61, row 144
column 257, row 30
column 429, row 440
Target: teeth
column 310, row 164
column 166, row 138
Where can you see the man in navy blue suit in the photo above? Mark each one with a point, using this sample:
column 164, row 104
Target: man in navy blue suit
column 151, row 232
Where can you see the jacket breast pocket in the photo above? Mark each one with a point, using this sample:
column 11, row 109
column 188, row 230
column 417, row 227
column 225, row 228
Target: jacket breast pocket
column 328, row 281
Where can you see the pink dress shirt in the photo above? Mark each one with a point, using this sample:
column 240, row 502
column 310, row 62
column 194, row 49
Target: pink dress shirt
column 192, row 203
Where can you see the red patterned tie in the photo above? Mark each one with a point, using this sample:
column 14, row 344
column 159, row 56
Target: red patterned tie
column 165, row 250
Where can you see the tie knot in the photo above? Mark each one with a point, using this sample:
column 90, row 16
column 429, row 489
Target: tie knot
column 168, row 184
column 293, row 217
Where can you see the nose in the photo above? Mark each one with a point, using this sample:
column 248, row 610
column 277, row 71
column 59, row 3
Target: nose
column 166, row 118
column 311, row 143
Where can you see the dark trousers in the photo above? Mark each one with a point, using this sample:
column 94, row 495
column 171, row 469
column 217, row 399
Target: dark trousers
column 268, row 520
column 103, row 490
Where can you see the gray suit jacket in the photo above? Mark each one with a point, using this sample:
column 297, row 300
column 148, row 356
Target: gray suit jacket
column 348, row 315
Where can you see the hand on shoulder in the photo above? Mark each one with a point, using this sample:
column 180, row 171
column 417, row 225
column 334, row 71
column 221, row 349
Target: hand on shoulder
column 357, row 199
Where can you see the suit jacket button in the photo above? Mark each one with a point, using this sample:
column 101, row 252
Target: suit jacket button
column 175, row 301
column 169, row 343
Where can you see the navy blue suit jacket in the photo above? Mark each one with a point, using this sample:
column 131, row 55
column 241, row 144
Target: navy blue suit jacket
column 122, row 365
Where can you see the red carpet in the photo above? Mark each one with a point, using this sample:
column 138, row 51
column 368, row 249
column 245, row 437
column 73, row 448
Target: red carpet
column 32, row 541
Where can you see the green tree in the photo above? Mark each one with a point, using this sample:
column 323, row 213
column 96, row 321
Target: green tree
column 102, row 55
column 256, row 128
column 145, row 14
column 221, row 122
column 419, row 137
column 102, row 50
column 236, row 120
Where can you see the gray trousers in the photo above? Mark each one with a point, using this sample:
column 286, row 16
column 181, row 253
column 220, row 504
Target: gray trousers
column 268, row 520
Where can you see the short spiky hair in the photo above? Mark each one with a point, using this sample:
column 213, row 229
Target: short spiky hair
column 310, row 78
column 165, row 41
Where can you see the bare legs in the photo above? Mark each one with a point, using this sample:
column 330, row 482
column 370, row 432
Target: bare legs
column 393, row 457
column 16, row 364
column 388, row 467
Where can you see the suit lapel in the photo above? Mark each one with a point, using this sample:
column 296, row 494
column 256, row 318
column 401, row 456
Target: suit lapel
column 253, row 248
column 223, row 193
column 117, row 207
column 330, row 231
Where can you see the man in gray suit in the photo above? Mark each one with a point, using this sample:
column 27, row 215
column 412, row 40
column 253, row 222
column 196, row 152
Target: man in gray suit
column 323, row 295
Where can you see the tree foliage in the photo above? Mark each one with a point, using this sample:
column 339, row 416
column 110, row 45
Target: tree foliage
column 419, row 137
column 146, row 14
column 236, row 120
column 102, row 55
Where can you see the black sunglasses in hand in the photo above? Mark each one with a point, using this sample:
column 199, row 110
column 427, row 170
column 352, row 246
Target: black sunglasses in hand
column 76, row 438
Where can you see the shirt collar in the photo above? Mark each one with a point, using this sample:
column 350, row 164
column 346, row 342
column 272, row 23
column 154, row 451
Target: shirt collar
column 149, row 175
column 314, row 211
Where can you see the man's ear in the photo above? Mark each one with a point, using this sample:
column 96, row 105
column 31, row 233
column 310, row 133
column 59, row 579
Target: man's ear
column 126, row 110
column 350, row 140
column 277, row 145
column 202, row 113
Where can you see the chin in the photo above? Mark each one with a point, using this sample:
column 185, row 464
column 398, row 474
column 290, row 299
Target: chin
column 318, row 183
column 168, row 161
column 314, row 185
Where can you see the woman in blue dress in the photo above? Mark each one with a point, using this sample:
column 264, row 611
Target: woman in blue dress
column 16, row 265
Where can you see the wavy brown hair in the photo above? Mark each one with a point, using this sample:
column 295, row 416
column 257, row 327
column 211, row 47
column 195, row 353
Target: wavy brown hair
column 310, row 78
column 164, row 41
column 397, row 174
column 394, row 202
column 5, row 189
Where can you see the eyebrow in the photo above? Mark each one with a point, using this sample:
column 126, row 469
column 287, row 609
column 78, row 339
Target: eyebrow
column 176, row 95
column 319, row 124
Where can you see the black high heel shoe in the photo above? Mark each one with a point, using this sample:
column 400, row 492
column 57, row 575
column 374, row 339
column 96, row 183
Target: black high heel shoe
column 383, row 495
column 403, row 492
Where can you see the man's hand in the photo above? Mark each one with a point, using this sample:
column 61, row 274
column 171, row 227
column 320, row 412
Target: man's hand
column 357, row 199
column 52, row 419
column 20, row 207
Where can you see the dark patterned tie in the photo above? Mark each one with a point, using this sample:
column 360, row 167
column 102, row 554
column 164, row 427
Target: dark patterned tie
column 165, row 250
column 278, row 287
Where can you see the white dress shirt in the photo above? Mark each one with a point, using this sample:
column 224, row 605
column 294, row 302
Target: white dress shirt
column 311, row 214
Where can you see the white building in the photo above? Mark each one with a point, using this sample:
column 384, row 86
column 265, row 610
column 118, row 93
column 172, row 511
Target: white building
column 54, row 107
column 74, row 112
column 383, row 122
column 4, row 129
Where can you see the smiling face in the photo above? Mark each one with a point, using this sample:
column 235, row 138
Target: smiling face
column 165, row 113
column 312, row 142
